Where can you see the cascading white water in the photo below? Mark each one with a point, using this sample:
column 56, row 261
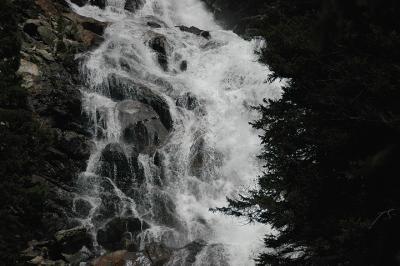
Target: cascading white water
column 211, row 151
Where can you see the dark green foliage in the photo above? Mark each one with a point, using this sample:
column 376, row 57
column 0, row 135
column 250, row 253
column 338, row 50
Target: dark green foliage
column 332, row 142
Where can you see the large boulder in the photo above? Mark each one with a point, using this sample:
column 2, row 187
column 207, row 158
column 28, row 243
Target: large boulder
column 121, row 88
column 72, row 240
column 119, row 232
column 141, row 126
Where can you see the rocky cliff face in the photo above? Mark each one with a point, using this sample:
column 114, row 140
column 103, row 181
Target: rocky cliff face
column 44, row 140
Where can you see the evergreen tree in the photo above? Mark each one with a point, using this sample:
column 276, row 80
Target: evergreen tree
column 331, row 143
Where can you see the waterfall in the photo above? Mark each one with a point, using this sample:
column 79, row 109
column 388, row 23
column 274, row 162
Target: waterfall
column 169, row 111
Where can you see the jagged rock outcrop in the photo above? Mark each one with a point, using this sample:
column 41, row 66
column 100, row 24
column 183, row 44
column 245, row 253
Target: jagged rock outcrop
column 196, row 31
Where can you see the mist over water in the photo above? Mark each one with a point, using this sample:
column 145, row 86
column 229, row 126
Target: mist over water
column 210, row 151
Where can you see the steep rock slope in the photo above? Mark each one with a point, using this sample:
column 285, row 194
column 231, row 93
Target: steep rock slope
column 43, row 139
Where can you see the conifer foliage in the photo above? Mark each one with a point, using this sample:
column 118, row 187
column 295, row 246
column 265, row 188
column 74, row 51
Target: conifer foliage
column 331, row 143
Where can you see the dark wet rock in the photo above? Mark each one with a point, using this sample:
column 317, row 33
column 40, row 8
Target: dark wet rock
column 164, row 208
column 113, row 234
column 110, row 206
column 158, row 158
column 141, row 126
column 184, row 65
column 158, row 253
column 122, row 88
column 60, row 106
column 193, row 249
column 72, row 240
column 85, row 30
column 99, row 3
column 196, row 31
column 79, row 2
column 75, row 145
column 115, row 165
column 139, row 135
column 35, row 249
column 94, row 26
column 156, row 20
column 133, row 5
column 82, row 208
column 160, row 45
column 31, row 28
column 123, row 167
column 124, row 64
column 187, row 101
column 153, row 24
column 47, row 35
